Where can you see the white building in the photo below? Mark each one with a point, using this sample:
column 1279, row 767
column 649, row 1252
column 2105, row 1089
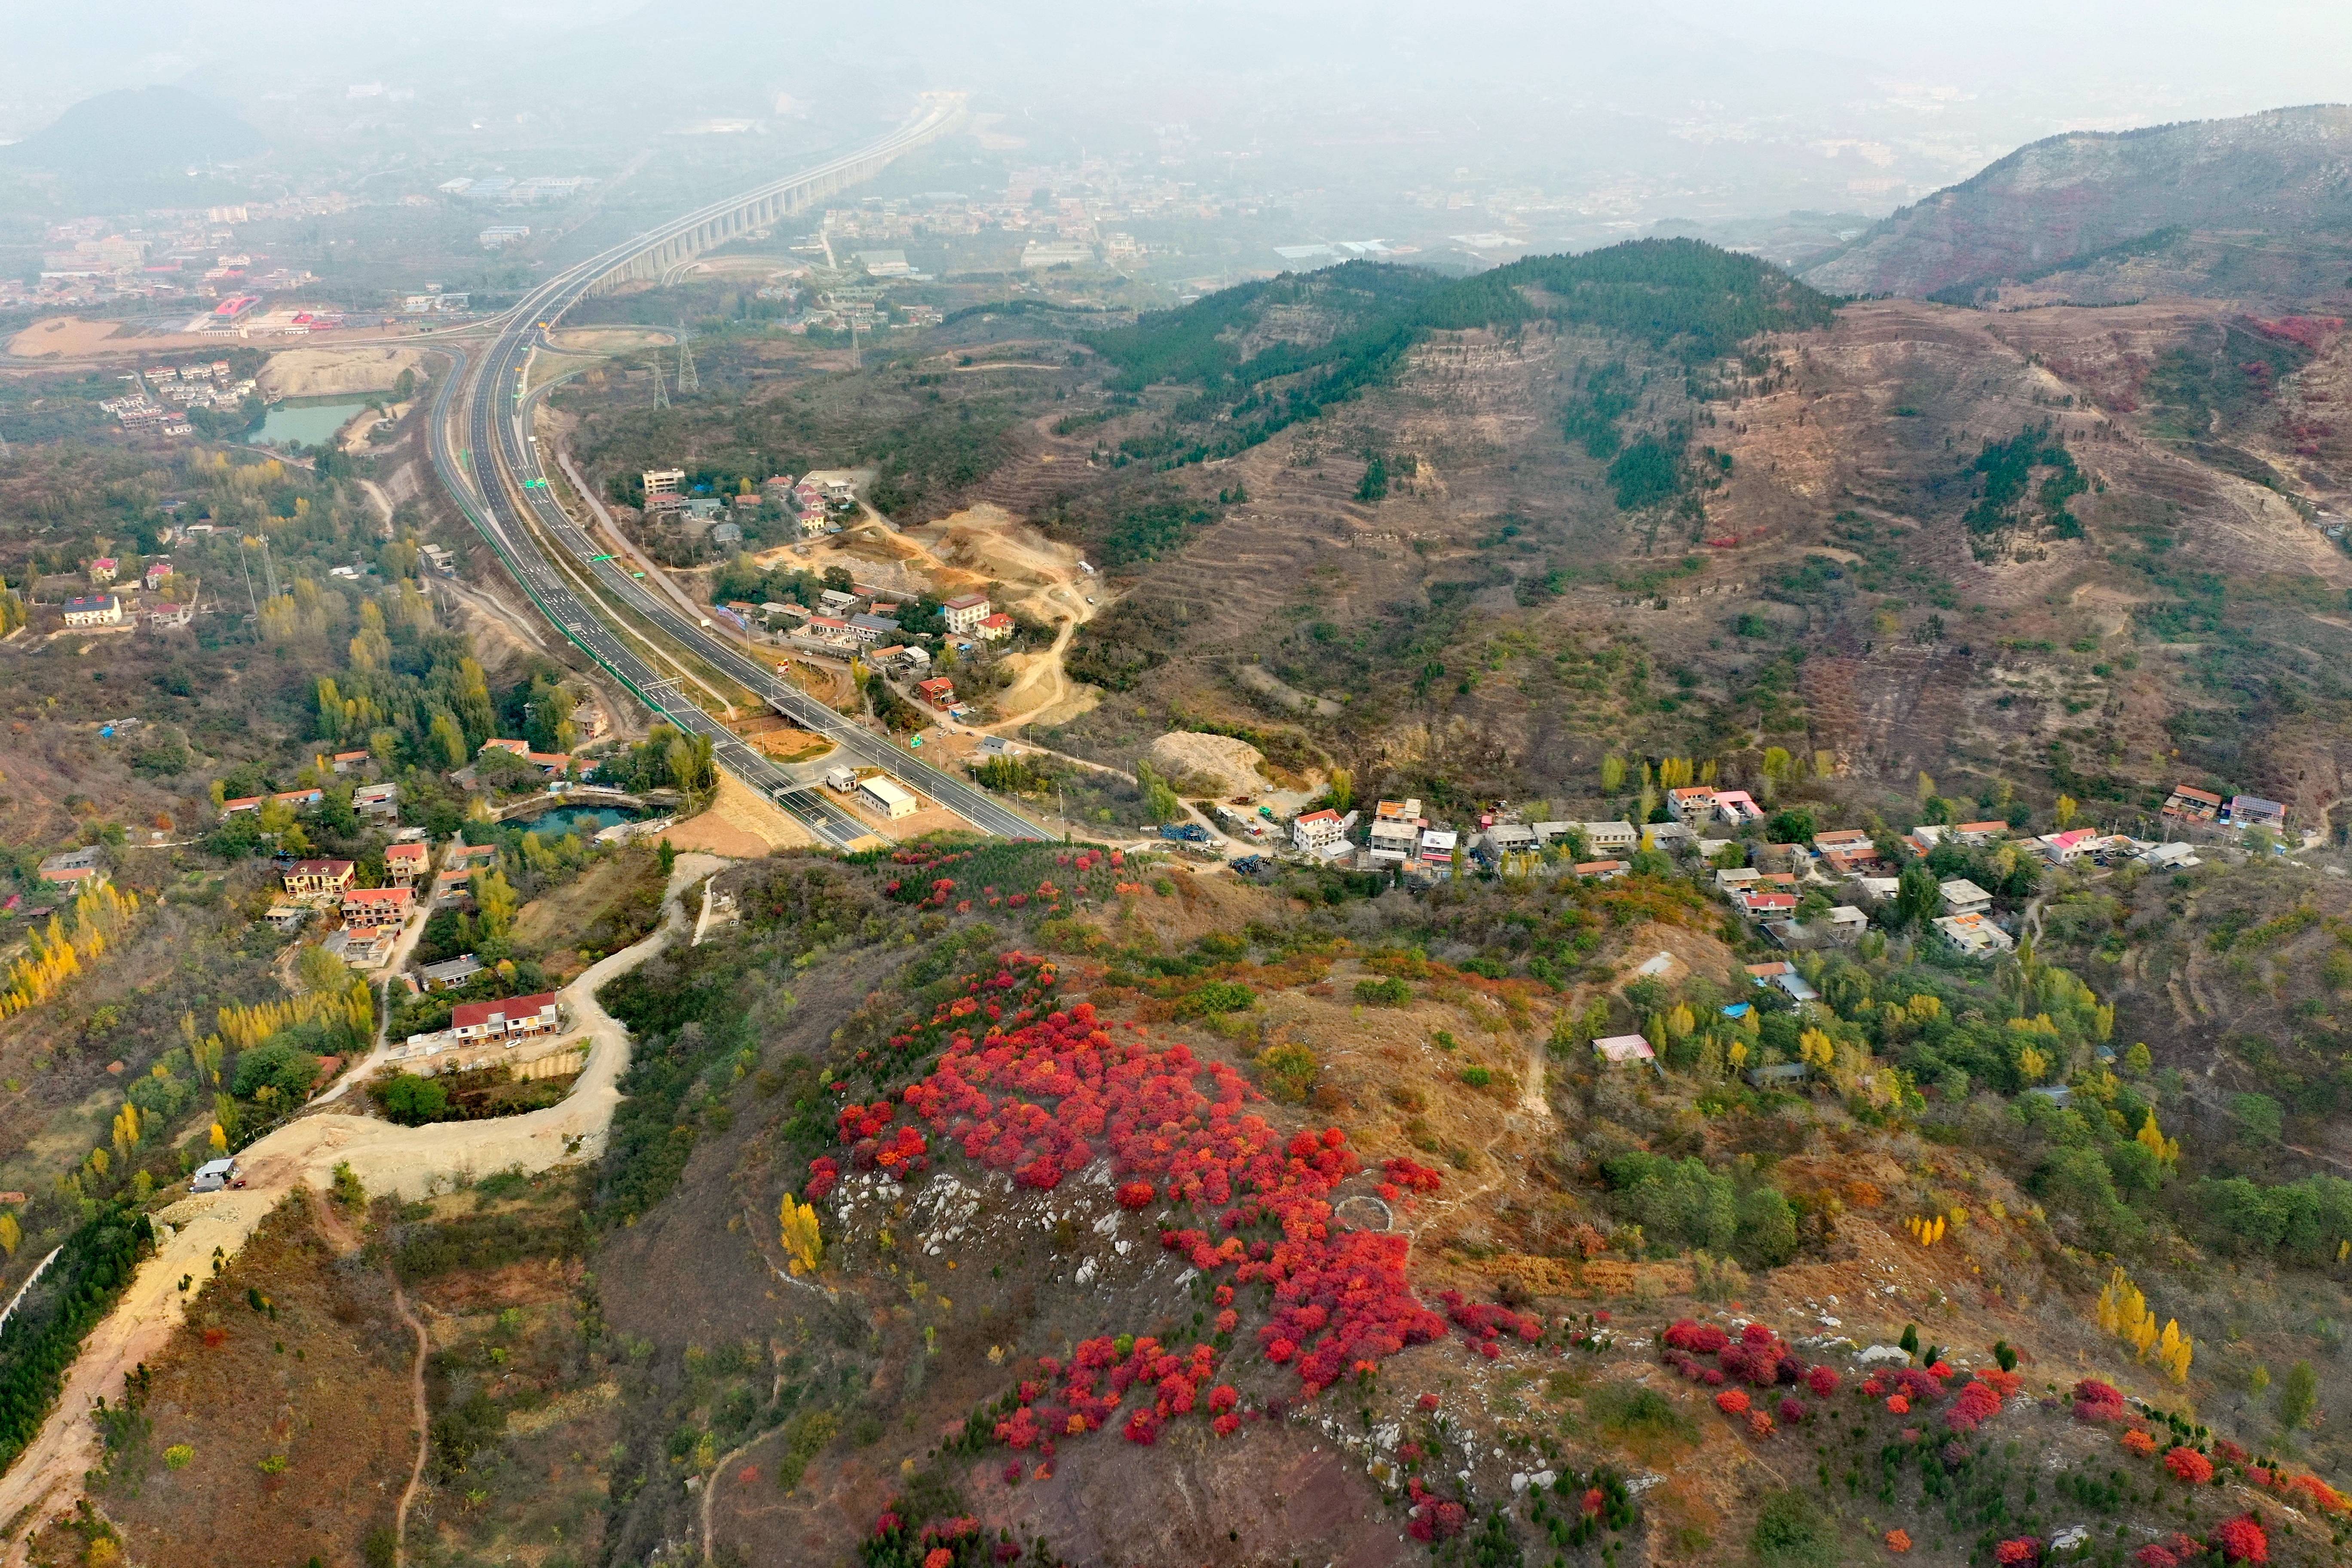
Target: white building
column 1975, row 934
column 889, row 798
column 94, row 610
column 1320, row 833
column 1962, row 897
column 965, row 614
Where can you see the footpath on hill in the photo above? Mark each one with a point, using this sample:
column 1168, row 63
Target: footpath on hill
column 46, row 1477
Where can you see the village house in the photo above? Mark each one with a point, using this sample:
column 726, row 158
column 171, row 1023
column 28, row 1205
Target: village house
column 1601, row 871
column 1845, row 840
column 1395, row 831
column 1762, row 906
column 104, row 568
column 1691, row 805
column 1977, row 835
column 873, row 628
column 403, row 863
column 1962, row 897
column 1783, row 977
column 74, row 868
column 1320, row 833
column 505, row 1022
column 453, row 888
column 2253, row 811
column 1505, row 839
column 157, row 570
column 1737, row 807
column 995, row 629
column 377, row 802
column 965, row 614
column 449, row 972
column 2188, row 804
column 1735, row 879
column 93, row 610
column 1975, row 934
column 314, row 878
column 1618, row 838
column 349, row 762
column 1668, row 835
column 300, row 799
column 1437, row 849
column 2065, row 848
column 939, row 691
column 376, row 908
column 1618, row 1050
column 242, row 803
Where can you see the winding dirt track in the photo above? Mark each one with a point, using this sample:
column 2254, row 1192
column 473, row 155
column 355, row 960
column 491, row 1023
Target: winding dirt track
column 46, row 1479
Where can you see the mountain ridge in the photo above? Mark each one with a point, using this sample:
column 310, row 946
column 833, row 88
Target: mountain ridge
column 2283, row 171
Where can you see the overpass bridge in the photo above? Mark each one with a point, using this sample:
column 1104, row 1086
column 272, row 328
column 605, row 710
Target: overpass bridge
column 706, row 228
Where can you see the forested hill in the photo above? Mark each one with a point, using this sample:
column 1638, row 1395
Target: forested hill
column 1270, row 353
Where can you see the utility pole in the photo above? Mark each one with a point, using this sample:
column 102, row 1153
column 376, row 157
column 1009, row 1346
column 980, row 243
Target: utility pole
column 687, row 380
column 661, row 398
column 857, row 355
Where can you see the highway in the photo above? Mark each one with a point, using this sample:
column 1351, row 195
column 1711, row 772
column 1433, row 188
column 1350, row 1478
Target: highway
column 489, row 391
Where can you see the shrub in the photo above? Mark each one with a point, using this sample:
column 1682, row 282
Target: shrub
column 1288, row 1072
column 1791, row 1533
column 412, row 1101
column 1216, row 996
column 1387, row 992
column 1477, row 1078
column 2189, row 1466
column 178, row 1455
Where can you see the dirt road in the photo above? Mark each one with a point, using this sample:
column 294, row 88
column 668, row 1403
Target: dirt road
column 45, row 1480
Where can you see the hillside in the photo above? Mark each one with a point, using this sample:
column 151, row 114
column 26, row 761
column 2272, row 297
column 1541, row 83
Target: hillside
column 1163, row 1217
column 135, row 132
column 2107, row 200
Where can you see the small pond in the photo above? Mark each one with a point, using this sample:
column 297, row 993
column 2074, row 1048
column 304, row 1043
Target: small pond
column 311, row 424
column 585, row 820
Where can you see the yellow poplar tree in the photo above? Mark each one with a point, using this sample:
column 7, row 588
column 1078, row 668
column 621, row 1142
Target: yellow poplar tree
column 803, row 1244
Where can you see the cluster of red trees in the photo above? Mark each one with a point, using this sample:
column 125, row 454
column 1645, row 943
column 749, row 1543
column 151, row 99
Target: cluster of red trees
column 2096, row 1401
column 1400, row 1176
column 1433, row 1518
column 1483, row 1323
column 2239, row 1540
column 1761, row 1359
column 1102, row 1372
column 2304, row 332
column 902, row 1152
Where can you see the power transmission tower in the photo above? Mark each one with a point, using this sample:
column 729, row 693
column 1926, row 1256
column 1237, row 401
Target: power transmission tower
column 268, row 568
column 661, row 398
column 687, row 380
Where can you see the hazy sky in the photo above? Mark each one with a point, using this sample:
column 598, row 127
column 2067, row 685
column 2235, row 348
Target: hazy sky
column 1704, row 92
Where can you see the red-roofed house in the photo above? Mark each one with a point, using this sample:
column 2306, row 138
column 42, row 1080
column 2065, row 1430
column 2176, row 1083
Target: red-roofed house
column 242, row 803
column 514, row 1018
column 406, row 862
column 995, row 628
column 939, row 691
column 103, row 569
column 376, row 908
